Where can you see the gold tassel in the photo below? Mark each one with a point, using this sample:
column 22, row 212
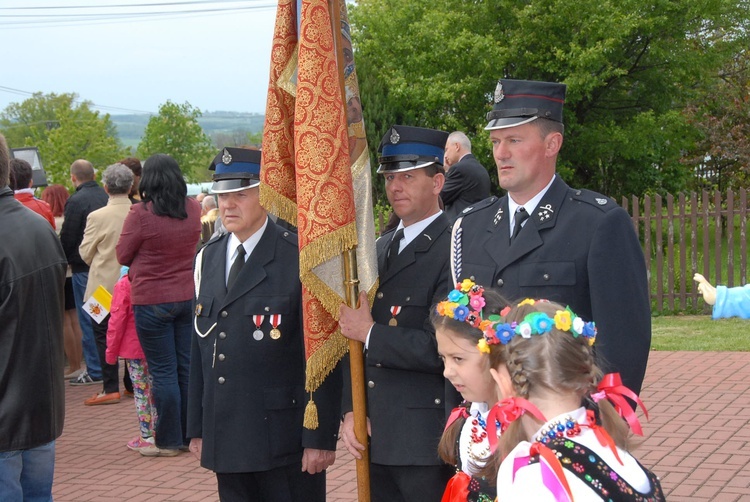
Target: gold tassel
column 311, row 415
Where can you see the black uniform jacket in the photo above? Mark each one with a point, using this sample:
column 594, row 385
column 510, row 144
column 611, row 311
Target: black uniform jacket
column 246, row 396
column 466, row 182
column 406, row 391
column 578, row 248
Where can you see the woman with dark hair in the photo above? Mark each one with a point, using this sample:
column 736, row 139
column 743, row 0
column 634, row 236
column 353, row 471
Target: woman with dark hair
column 158, row 243
column 56, row 196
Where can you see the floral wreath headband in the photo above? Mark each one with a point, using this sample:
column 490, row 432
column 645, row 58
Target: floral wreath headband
column 465, row 304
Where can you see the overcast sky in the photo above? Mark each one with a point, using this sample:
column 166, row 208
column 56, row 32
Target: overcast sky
column 132, row 59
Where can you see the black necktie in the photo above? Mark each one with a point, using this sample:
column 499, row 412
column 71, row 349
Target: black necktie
column 393, row 248
column 521, row 216
column 239, row 261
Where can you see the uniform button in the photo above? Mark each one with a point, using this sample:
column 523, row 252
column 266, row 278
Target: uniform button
column 371, row 384
column 546, row 277
column 438, row 401
column 222, row 357
column 408, row 298
column 222, row 335
column 221, row 380
column 500, row 282
column 294, row 401
column 224, row 313
column 578, row 192
column 380, row 295
column 286, row 234
column 268, row 309
column 378, row 365
column 472, row 278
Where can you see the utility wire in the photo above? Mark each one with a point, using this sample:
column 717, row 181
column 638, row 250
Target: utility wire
column 77, row 101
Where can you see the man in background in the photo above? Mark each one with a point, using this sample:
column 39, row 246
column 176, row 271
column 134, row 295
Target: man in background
column 466, row 181
column 88, row 197
column 21, row 182
column 32, row 406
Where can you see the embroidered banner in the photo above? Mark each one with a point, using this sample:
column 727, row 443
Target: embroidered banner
column 316, row 168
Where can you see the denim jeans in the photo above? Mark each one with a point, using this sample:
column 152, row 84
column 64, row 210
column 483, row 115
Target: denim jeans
column 90, row 353
column 164, row 331
column 27, row 474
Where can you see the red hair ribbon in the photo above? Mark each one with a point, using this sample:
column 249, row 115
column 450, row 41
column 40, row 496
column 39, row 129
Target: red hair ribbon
column 613, row 389
column 507, row 411
column 601, row 434
column 457, row 489
column 553, row 476
column 459, row 411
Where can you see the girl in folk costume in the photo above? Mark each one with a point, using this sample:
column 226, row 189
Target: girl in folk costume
column 546, row 368
column 459, row 321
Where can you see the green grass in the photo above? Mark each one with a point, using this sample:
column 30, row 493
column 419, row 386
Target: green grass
column 700, row 333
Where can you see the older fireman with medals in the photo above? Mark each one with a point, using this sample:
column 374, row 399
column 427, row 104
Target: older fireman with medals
column 407, row 396
column 247, row 373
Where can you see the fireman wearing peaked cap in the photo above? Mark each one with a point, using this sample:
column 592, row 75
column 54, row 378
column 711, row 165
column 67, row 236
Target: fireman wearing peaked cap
column 407, row 396
column 547, row 240
column 246, row 399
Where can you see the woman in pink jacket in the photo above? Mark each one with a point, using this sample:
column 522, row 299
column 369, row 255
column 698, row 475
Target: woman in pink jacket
column 122, row 341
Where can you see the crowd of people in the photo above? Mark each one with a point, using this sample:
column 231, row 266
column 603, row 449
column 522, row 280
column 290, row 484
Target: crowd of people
column 485, row 373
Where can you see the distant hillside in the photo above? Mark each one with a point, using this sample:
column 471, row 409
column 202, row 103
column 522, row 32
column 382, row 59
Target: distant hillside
column 229, row 124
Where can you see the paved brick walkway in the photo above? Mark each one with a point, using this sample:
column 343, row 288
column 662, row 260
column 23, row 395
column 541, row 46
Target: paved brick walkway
column 697, row 441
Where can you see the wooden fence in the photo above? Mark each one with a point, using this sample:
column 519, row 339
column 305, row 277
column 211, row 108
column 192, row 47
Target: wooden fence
column 702, row 232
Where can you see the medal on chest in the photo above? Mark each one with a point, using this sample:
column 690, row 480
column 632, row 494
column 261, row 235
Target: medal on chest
column 275, row 321
column 258, row 333
column 395, row 310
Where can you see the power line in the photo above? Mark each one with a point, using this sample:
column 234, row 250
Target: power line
column 22, row 21
column 77, row 101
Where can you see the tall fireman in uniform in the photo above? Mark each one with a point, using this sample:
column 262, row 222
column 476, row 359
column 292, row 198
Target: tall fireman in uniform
column 247, row 370
column 547, row 240
column 406, row 391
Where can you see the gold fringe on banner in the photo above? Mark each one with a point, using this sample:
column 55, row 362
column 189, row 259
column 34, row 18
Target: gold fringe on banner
column 277, row 204
column 320, row 250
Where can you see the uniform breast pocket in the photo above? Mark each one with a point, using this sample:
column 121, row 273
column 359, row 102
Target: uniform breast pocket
column 267, row 305
column 551, row 273
column 412, row 297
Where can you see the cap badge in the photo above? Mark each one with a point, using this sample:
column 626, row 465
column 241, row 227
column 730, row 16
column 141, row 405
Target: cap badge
column 226, row 157
column 545, row 212
column 394, row 137
column 499, row 94
column 600, row 201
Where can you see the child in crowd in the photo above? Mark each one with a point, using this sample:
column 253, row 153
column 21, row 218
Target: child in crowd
column 459, row 321
column 122, row 341
column 543, row 362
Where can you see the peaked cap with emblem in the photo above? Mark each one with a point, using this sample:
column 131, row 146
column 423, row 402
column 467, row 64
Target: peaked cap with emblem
column 519, row 102
column 235, row 169
column 405, row 148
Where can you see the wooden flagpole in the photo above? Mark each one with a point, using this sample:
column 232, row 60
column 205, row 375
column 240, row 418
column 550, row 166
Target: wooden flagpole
column 351, row 283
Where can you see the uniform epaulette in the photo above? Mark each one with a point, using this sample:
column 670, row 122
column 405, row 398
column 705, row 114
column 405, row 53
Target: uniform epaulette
column 595, row 199
column 213, row 240
column 288, row 236
column 482, row 204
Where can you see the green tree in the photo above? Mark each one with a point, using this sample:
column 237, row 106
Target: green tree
column 721, row 155
column 176, row 132
column 630, row 66
column 64, row 130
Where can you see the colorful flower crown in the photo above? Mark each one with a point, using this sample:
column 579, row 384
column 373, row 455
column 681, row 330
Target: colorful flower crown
column 465, row 304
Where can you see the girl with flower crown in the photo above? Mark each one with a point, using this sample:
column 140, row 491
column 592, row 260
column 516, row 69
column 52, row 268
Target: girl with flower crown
column 563, row 434
column 459, row 321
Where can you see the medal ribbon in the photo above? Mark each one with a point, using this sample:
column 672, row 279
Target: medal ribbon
column 275, row 320
column 258, row 320
column 395, row 310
